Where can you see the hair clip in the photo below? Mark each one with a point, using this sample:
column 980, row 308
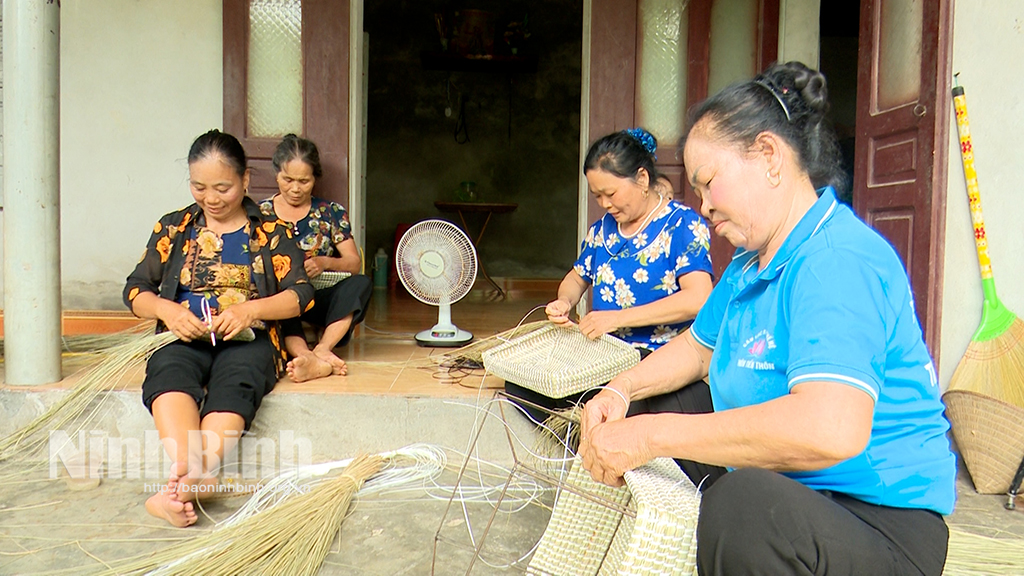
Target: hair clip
column 768, row 87
column 644, row 138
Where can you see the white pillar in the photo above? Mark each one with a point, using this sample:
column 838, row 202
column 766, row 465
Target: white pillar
column 32, row 310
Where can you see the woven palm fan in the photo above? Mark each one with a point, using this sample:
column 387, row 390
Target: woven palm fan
column 560, row 361
column 647, row 527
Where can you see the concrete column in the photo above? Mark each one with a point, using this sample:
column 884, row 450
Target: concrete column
column 32, row 309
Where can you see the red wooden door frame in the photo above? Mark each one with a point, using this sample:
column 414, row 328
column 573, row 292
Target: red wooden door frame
column 901, row 158
column 325, row 47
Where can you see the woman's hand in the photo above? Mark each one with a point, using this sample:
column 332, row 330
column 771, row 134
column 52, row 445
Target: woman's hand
column 597, row 324
column 181, row 321
column 614, row 447
column 606, row 406
column 234, row 319
column 558, row 311
column 315, row 265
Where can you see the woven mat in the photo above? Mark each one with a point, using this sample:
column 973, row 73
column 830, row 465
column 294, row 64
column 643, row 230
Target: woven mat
column 560, row 361
column 593, row 536
column 328, row 278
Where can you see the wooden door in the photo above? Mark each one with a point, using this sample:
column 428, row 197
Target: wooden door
column 901, row 148
column 325, row 79
column 614, row 61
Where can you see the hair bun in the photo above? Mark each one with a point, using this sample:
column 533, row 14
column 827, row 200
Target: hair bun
column 810, row 84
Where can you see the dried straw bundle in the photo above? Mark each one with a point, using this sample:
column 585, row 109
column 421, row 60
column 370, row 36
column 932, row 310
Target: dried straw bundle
column 560, row 431
column 89, row 343
column 291, row 538
column 115, row 362
column 975, row 554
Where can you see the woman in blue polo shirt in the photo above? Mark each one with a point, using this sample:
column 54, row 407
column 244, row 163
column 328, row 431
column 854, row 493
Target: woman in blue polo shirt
column 826, row 403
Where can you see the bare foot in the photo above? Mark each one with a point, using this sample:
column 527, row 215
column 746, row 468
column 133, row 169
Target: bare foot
column 165, row 504
column 193, row 491
column 308, row 367
column 338, row 366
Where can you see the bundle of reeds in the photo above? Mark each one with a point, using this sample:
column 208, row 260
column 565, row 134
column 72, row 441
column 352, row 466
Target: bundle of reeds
column 291, row 538
column 975, row 554
column 67, row 414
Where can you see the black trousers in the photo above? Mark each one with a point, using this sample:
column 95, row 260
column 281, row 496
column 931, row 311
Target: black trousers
column 231, row 377
column 350, row 296
column 754, row 521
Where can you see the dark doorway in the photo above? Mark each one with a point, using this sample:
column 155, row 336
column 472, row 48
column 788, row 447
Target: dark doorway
column 839, row 28
column 499, row 108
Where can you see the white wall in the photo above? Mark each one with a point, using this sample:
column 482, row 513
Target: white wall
column 988, row 37
column 139, row 81
column 799, row 31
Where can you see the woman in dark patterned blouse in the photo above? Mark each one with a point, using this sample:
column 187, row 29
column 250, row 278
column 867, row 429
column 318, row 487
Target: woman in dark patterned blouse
column 213, row 271
column 323, row 231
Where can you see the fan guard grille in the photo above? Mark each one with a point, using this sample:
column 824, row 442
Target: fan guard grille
column 436, row 261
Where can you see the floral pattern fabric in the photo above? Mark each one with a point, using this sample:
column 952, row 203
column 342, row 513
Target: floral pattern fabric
column 217, row 270
column 321, row 230
column 638, row 270
column 160, row 269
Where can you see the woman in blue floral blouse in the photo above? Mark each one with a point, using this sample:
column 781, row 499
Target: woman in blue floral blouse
column 324, row 233
column 647, row 258
column 212, row 272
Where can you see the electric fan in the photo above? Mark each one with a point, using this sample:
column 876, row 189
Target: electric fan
column 436, row 263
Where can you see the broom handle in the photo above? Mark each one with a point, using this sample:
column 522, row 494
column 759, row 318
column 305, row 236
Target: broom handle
column 963, row 128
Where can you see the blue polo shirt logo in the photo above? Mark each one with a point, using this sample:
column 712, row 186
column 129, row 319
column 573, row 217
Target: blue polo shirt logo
column 756, row 347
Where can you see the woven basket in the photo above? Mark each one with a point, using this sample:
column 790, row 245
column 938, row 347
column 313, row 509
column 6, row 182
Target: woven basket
column 593, row 536
column 328, row 278
column 560, row 361
column 990, row 436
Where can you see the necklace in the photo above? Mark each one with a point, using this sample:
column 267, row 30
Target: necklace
column 643, row 224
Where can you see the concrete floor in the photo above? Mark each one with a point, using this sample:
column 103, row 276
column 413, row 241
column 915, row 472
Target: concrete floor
column 396, row 395
column 46, row 528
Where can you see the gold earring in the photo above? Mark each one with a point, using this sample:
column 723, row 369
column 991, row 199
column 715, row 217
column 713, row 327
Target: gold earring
column 774, row 180
column 645, row 193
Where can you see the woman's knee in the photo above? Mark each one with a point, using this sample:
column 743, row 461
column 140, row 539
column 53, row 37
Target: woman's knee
column 740, row 498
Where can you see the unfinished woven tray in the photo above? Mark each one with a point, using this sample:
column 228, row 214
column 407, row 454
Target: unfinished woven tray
column 560, row 361
column 328, row 278
column 586, row 537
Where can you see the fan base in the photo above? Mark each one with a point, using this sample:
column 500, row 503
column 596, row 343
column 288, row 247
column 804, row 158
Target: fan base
column 442, row 338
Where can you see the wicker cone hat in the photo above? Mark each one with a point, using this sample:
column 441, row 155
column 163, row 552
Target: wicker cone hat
column 985, row 405
column 990, row 436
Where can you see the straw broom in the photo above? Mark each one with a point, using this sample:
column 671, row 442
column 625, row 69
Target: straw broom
column 988, row 380
column 975, row 554
column 291, row 538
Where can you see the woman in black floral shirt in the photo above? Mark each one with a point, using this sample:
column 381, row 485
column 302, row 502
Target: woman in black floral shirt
column 213, row 271
column 322, row 230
